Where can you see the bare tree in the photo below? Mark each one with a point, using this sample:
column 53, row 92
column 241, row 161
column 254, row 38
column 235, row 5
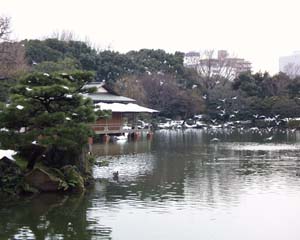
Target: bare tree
column 131, row 86
column 217, row 68
column 4, row 28
column 12, row 59
column 64, row 35
column 12, row 54
column 292, row 70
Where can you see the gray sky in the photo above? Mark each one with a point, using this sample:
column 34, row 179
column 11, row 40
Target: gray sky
column 258, row 30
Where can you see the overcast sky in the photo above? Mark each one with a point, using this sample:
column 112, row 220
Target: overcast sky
column 257, row 30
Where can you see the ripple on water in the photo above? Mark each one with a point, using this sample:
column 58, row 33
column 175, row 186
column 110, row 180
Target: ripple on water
column 128, row 166
column 263, row 147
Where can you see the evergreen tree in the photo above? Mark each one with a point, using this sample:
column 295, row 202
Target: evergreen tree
column 47, row 118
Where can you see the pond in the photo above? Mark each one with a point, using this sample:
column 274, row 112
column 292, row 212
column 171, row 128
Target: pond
column 193, row 184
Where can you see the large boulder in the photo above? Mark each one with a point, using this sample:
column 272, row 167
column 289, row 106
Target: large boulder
column 45, row 181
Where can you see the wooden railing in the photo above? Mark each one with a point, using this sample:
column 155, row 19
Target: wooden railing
column 110, row 128
column 114, row 129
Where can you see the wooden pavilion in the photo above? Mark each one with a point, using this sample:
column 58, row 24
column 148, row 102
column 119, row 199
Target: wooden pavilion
column 122, row 109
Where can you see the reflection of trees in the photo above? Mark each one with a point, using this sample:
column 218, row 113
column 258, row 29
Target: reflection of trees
column 48, row 216
column 188, row 167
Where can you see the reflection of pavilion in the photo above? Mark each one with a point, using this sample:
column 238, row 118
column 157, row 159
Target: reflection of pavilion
column 115, row 149
column 124, row 111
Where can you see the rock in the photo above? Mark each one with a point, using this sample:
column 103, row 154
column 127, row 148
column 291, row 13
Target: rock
column 73, row 178
column 44, row 181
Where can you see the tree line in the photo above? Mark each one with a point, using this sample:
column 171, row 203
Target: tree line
column 155, row 78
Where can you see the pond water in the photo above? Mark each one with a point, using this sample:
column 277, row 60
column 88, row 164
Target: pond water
column 192, row 184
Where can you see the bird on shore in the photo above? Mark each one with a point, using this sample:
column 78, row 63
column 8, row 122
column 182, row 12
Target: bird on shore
column 116, row 175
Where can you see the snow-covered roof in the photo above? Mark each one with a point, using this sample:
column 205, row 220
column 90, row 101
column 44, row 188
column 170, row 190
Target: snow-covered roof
column 124, row 107
column 107, row 97
column 7, row 153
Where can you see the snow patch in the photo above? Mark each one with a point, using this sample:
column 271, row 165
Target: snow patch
column 20, row 107
column 7, row 153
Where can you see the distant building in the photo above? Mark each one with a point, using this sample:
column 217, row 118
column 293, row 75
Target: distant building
column 290, row 64
column 222, row 64
column 191, row 59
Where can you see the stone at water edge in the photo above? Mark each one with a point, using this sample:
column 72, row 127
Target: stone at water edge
column 43, row 181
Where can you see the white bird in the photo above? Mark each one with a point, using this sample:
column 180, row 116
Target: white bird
column 223, row 100
column 234, row 98
column 269, row 138
column 215, row 140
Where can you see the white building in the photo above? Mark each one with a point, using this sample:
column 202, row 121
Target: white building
column 191, row 59
column 290, row 64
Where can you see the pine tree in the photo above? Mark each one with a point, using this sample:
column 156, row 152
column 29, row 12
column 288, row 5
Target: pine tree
column 46, row 118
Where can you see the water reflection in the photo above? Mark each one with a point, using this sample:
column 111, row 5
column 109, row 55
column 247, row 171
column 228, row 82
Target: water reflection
column 181, row 185
column 49, row 216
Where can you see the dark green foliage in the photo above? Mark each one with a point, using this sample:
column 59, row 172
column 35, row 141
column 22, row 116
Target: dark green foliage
column 293, row 87
column 269, row 96
column 37, row 51
column 50, row 111
column 5, row 84
column 10, row 177
column 143, row 71
column 66, row 65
